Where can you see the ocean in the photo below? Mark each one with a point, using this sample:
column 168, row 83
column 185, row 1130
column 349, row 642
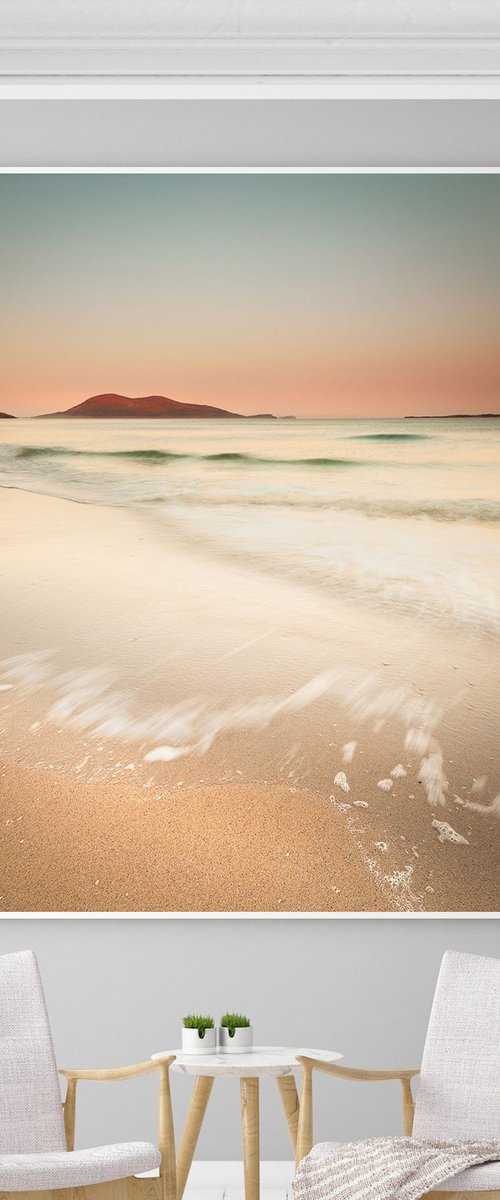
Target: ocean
column 395, row 513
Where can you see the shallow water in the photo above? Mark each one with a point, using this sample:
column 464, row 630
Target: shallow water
column 402, row 513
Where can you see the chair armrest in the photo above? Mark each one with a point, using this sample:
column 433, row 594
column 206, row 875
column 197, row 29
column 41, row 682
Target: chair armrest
column 356, row 1073
column 102, row 1074
column 166, row 1141
column 305, row 1128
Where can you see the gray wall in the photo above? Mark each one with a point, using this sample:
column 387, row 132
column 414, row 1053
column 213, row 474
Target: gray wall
column 250, row 132
column 116, row 990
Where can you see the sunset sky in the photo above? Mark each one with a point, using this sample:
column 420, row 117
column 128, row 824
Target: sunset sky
column 317, row 295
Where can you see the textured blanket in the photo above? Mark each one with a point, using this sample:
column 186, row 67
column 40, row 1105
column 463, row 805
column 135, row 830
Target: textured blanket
column 391, row 1168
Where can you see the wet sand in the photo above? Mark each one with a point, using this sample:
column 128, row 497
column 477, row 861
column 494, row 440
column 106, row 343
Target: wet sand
column 73, row 846
column 131, row 646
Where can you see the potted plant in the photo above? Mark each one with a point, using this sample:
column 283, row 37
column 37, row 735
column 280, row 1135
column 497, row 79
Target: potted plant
column 235, row 1034
column 198, row 1035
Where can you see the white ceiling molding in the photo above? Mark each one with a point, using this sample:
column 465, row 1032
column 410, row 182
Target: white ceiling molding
column 322, row 44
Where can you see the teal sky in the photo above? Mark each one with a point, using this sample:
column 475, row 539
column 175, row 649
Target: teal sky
column 316, row 295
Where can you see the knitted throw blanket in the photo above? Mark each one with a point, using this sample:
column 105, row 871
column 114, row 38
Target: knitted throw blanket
column 390, row 1168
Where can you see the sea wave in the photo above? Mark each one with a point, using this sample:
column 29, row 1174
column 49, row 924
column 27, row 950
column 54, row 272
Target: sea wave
column 389, row 437
column 165, row 456
column 246, row 486
column 481, row 511
column 65, row 452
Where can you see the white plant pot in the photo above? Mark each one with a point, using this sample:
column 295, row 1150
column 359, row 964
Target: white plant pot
column 240, row 1043
column 192, row 1043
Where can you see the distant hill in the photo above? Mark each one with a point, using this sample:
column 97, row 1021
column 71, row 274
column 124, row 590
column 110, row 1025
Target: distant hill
column 7, row 416
column 112, row 405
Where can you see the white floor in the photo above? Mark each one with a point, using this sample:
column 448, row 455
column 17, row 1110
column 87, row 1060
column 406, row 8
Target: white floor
column 224, row 1181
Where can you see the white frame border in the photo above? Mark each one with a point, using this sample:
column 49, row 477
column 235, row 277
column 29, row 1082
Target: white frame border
column 382, row 914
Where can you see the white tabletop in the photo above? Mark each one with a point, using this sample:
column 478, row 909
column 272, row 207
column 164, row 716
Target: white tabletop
column 262, row 1060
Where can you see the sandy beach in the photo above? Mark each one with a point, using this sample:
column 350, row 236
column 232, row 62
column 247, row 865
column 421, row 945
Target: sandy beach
column 180, row 732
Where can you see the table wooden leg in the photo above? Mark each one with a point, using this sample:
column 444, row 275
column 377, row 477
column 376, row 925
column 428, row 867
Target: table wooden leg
column 249, row 1090
column 291, row 1108
column 305, row 1127
column 194, row 1122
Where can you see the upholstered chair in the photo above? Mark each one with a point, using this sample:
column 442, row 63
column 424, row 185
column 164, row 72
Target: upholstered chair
column 37, row 1130
column 459, row 1086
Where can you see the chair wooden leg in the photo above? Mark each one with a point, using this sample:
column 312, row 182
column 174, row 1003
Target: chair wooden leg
column 70, row 1113
column 249, row 1090
column 290, row 1102
column 194, row 1121
column 150, row 1188
column 408, row 1107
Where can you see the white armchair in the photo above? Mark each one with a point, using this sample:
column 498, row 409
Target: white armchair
column 459, row 1091
column 37, row 1131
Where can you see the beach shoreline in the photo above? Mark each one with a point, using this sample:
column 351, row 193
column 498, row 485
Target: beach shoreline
column 121, row 637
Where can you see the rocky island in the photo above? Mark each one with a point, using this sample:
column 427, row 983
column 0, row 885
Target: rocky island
column 111, row 404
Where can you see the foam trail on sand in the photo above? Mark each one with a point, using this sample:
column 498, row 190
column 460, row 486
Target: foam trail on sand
column 433, row 776
column 348, row 752
column 166, row 753
column 89, row 700
column 418, row 740
column 490, row 810
column 396, row 884
column 398, row 772
column 447, row 834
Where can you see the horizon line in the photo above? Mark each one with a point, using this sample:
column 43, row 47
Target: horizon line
column 271, row 417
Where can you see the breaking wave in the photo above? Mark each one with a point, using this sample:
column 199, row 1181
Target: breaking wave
column 165, row 456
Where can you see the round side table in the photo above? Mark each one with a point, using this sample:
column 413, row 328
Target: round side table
column 278, row 1061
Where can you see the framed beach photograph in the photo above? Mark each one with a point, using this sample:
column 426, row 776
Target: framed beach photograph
column 250, row 574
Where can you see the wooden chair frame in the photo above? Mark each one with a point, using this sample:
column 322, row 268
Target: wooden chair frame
column 305, row 1125
column 162, row 1187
